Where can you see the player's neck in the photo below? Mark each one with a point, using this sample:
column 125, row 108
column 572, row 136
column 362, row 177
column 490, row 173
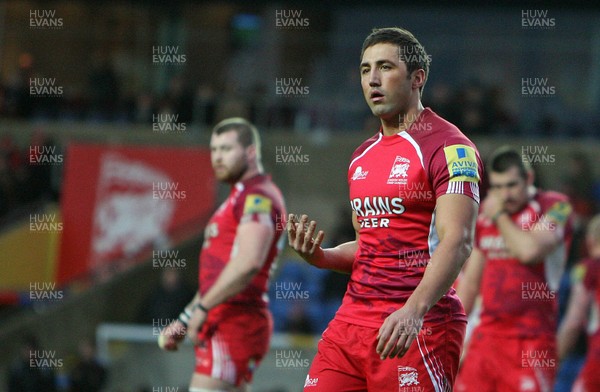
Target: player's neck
column 251, row 172
column 403, row 121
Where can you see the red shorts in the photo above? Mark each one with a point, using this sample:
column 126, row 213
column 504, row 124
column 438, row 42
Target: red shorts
column 233, row 341
column 346, row 360
column 494, row 363
column 589, row 377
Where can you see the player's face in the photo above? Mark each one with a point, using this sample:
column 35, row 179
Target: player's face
column 228, row 157
column 386, row 84
column 511, row 188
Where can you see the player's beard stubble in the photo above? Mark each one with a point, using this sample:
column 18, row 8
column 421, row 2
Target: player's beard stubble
column 233, row 174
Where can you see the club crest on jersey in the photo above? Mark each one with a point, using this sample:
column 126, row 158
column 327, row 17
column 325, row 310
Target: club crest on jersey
column 407, row 376
column 359, row 174
column 399, row 171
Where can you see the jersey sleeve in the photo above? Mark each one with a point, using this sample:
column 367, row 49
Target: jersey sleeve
column 254, row 207
column 589, row 274
column 456, row 168
column 557, row 213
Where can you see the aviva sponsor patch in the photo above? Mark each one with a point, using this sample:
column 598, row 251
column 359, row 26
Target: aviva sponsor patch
column 578, row 273
column 559, row 212
column 257, row 204
column 462, row 163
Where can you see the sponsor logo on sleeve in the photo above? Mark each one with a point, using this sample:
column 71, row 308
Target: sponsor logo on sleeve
column 559, row 212
column 462, row 163
column 578, row 273
column 256, row 204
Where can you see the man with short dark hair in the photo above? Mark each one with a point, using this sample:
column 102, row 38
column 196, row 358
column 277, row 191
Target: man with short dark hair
column 228, row 320
column 521, row 244
column 414, row 190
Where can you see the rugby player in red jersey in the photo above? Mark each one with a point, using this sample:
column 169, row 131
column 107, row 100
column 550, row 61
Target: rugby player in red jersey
column 414, row 193
column 522, row 238
column 583, row 312
column 229, row 320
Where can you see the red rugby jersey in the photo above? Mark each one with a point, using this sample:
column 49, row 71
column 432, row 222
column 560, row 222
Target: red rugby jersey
column 521, row 300
column 255, row 199
column 394, row 184
column 590, row 269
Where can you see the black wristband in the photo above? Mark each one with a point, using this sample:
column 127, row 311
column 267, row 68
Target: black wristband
column 201, row 307
column 184, row 317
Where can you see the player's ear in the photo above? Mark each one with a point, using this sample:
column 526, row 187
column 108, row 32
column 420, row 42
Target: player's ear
column 418, row 79
column 251, row 152
column 530, row 177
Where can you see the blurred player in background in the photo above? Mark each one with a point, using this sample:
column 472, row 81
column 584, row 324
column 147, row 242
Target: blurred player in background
column 414, row 189
column 585, row 297
column 521, row 244
column 229, row 320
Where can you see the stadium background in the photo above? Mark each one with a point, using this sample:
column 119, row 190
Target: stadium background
column 99, row 103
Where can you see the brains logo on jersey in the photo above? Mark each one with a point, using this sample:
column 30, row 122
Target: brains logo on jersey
column 462, row 163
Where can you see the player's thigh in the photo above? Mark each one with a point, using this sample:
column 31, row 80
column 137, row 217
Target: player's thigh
column 430, row 364
column 233, row 349
column 323, row 377
column 589, row 377
column 204, row 383
column 337, row 366
column 530, row 364
column 481, row 364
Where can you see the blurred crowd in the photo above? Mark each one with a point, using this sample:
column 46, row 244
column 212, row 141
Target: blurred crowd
column 39, row 369
column 25, row 179
column 476, row 108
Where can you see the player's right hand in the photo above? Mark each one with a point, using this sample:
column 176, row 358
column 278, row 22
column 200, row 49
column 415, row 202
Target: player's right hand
column 302, row 240
column 170, row 336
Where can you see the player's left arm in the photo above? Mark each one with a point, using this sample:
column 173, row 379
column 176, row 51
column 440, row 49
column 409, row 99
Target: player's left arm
column 575, row 319
column 253, row 242
column 532, row 244
column 455, row 224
